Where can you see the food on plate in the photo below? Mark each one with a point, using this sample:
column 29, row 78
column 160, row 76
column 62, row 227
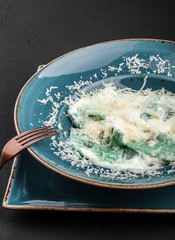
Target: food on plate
column 124, row 128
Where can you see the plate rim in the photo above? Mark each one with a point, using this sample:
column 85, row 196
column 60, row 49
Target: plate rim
column 106, row 185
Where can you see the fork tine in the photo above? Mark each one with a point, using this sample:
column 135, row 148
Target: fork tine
column 13, row 146
column 34, row 133
column 30, row 131
column 37, row 136
column 39, row 139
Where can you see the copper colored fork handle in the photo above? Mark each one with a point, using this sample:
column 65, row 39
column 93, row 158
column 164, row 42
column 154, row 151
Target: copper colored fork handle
column 5, row 158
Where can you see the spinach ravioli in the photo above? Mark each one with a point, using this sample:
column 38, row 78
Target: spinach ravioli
column 123, row 128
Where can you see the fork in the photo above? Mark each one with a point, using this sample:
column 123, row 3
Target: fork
column 24, row 140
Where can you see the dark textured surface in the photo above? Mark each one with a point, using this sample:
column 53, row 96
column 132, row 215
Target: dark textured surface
column 33, row 32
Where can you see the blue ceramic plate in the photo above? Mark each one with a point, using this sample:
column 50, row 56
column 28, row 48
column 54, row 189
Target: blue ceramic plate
column 126, row 63
column 33, row 186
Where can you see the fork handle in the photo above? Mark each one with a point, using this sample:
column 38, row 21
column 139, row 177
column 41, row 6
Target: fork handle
column 4, row 158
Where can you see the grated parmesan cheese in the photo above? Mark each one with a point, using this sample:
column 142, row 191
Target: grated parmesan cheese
column 63, row 149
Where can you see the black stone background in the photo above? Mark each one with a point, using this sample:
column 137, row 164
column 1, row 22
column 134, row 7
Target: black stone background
column 34, row 32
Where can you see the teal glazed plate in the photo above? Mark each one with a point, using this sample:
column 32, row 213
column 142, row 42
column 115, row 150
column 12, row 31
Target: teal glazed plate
column 33, row 186
column 42, row 101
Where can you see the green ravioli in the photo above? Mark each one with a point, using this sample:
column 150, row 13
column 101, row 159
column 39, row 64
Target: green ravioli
column 109, row 145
